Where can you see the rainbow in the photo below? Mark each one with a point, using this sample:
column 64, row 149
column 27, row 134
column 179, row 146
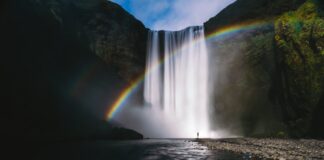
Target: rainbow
column 118, row 104
column 237, row 28
column 122, row 98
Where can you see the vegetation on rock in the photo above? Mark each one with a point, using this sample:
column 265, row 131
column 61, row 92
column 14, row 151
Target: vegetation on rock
column 300, row 57
column 270, row 79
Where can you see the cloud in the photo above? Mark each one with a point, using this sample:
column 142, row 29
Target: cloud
column 173, row 14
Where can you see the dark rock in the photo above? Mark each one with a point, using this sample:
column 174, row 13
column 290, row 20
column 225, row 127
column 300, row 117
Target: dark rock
column 124, row 134
column 54, row 82
column 118, row 38
column 112, row 33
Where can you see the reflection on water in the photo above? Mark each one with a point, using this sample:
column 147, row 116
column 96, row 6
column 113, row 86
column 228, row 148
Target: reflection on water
column 144, row 149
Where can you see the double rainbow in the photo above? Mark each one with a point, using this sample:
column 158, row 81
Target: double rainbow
column 217, row 34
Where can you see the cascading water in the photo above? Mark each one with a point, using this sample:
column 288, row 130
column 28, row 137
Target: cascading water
column 176, row 89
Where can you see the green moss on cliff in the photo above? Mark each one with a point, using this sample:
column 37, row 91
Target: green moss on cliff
column 274, row 74
column 300, row 41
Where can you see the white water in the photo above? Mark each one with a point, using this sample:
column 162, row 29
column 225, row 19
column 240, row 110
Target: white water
column 176, row 90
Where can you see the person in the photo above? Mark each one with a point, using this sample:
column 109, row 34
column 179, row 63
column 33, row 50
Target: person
column 197, row 135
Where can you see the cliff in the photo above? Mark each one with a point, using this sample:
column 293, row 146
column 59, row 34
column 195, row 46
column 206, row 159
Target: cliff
column 249, row 10
column 299, row 42
column 269, row 78
column 111, row 32
column 59, row 59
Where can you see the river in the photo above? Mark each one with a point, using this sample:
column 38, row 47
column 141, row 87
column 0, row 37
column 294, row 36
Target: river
column 148, row 149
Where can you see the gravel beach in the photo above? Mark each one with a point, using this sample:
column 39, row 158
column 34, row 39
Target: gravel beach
column 281, row 149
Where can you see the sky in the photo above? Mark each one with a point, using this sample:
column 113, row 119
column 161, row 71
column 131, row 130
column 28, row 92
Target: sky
column 173, row 14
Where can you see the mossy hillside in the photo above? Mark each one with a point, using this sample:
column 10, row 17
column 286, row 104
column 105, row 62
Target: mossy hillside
column 275, row 89
column 299, row 38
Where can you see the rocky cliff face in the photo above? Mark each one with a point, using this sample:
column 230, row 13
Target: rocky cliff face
column 112, row 34
column 118, row 38
column 59, row 59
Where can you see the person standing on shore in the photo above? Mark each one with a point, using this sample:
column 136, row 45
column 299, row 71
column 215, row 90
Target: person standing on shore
column 197, row 135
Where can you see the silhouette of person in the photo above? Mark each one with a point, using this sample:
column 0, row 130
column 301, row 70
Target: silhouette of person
column 197, row 134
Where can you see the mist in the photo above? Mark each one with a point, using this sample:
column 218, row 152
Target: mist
column 241, row 104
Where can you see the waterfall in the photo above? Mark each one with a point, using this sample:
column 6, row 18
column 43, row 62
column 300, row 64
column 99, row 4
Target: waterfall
column 177, row 80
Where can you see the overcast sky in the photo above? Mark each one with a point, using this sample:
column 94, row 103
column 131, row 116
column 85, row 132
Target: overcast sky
column 173, row 14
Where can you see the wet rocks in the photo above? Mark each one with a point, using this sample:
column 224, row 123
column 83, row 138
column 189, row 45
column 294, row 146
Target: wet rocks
column 270, row 148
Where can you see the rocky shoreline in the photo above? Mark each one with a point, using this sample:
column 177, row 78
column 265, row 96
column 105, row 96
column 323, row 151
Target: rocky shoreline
column 282, row 149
